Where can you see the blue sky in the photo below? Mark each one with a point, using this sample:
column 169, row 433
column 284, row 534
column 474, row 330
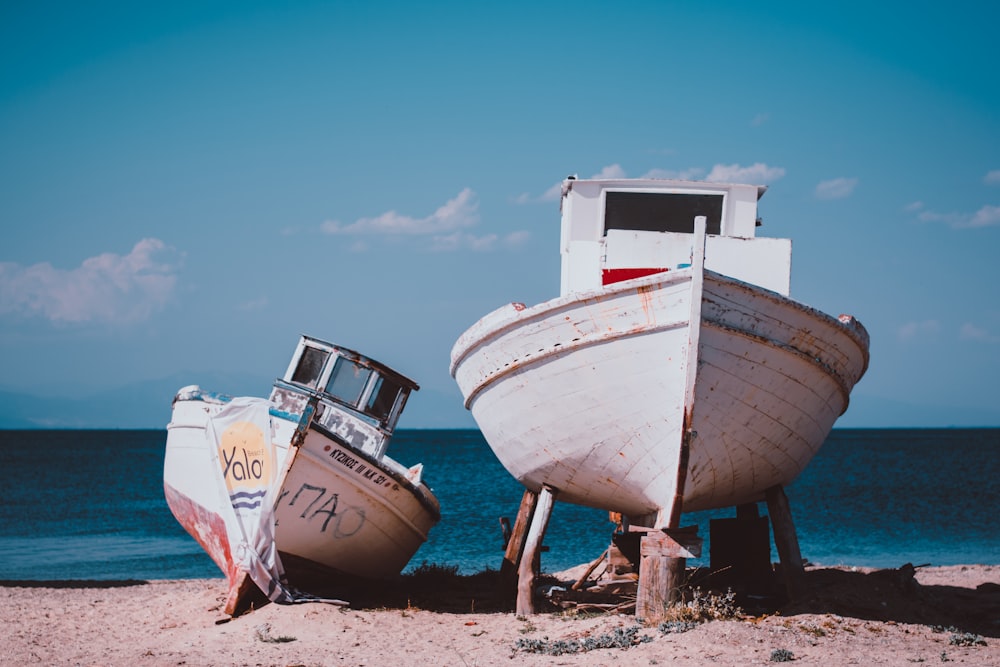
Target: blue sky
column 187, row 187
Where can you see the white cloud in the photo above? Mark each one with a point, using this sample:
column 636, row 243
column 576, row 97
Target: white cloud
column 987, row 216
column 553, row 193
column 912, row 330
column 611, row 171
column 732, row 173
column 836, row 188
column 758, row 173
column 913, row 207
column 992, row 177
column 457, row 213
column 445, row 228
column 462, row 240
column 106, row 288
column 760, row 119
column 691, row 174
column 971, row 332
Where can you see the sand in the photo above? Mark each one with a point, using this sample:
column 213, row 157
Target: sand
column 848, row 616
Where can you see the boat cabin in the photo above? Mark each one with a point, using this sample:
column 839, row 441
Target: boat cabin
column 615, row 230
column 359, row 399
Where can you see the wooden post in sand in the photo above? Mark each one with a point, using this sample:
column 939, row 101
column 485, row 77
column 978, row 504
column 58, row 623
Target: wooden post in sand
column 786, row 540
column 663, row 555
column 526, row 568
column 515, row 545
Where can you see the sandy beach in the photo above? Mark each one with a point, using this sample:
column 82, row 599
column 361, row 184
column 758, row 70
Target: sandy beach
column 847, row 616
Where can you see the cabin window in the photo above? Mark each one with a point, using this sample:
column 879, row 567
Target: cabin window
column 347, row 381
column 383, row 398
column 661, row 212
column 310, row 366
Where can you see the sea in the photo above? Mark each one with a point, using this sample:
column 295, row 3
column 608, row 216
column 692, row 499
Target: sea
column 89, row 505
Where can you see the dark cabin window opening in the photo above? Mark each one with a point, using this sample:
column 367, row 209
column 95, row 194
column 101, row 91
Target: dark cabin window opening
column 660, row 212
column 310, row 366
column 347, row 381
column 382, row 399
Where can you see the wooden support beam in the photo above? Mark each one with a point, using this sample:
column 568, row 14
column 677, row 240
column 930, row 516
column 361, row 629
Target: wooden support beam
column 515, row 545
column 786, row 541
column 590, row 570
column 663, row 558
column 526, row 568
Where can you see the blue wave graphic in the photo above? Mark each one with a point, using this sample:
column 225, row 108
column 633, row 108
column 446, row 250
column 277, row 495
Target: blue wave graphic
column 246, row 500
column 246, row 506
column 247, row 494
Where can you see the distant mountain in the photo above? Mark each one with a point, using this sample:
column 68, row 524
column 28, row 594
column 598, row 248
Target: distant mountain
column 147, row 405
column 138, row 405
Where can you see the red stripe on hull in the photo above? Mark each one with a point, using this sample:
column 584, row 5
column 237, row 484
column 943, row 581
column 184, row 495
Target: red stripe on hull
column 209, row 530
column 610, row 276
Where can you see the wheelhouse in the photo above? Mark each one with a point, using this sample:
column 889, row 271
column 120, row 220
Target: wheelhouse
column 349, row 380
column 616, row 230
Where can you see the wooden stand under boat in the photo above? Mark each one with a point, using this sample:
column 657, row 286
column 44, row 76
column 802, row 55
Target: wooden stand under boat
column 786, row 541
column 525, row 545
column 663, row 554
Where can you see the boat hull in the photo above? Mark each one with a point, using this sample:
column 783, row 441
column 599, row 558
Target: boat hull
column 341, row 510
column 329, row 520
column 591, row 394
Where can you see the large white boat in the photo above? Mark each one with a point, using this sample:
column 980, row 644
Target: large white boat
column 673, row 373
column 296, row 491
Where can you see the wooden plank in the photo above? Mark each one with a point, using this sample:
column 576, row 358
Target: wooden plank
column 515, row 545
column 660, row 579
column 672, row 542
column 663, row 559
column 786, row 541
column 526, row 569
column 590, row 570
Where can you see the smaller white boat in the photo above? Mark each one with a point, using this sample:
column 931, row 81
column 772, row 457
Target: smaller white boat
column 295, row 491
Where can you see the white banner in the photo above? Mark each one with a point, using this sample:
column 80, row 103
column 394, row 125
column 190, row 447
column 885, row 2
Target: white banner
column 244, row 459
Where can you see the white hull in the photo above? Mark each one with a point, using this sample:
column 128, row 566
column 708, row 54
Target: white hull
column 343, row 511
column 589, row 393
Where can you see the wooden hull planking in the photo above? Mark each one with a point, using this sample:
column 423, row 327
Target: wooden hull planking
column 586, row 393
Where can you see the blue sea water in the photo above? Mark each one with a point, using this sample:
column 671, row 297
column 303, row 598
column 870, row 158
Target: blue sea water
column 89, row 504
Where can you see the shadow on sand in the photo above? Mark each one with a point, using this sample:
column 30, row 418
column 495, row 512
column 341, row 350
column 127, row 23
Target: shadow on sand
column 72, row 583
column 888, row 595
column 896, row 596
